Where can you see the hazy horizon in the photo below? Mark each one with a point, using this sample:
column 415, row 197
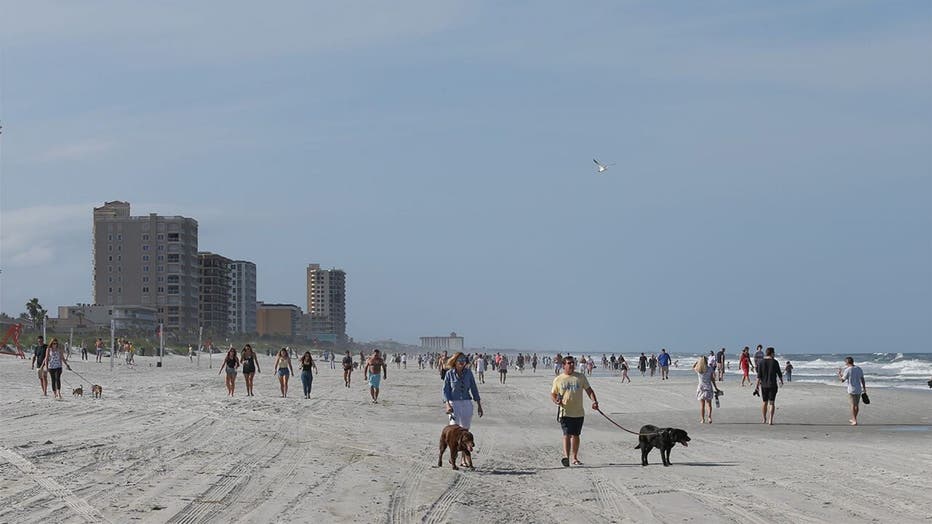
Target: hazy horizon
column 773, row 177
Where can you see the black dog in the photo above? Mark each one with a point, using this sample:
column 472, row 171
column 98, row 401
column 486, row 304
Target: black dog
column 664, row 439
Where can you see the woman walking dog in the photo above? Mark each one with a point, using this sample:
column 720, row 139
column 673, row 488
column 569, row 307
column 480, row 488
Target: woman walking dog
column 460, row 390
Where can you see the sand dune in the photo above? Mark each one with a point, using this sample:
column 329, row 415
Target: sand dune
column 166, row 445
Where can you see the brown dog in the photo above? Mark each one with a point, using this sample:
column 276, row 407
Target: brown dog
column 458, row 440
column 97, row 391
column 78, row 391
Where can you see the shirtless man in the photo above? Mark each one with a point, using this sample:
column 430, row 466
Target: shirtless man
column 375, row 371
column 347, row 368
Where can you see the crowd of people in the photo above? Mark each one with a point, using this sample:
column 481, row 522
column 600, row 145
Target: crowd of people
column 462, row 373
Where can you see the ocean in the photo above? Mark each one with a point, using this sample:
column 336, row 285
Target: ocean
column 890, row 370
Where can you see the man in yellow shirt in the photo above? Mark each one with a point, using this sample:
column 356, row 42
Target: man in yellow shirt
column 567, row 393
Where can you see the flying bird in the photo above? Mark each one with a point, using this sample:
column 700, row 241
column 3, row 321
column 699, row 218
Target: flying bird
column 600, row 167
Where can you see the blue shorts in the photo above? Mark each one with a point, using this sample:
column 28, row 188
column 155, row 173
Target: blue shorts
column 374, row 380
column 571, row 425
column 284, row 372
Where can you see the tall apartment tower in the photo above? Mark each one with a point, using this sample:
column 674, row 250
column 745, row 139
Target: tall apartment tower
column 216, row 297
column 243, row 313
column 326, row 301
column 148, row 261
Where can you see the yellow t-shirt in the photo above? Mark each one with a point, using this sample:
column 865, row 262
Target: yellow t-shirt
column 572, row 388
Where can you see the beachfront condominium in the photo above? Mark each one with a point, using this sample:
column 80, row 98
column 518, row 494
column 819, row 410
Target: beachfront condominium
column 216, row 297
column 147, row 261
column 243, row 314
column 326, row 302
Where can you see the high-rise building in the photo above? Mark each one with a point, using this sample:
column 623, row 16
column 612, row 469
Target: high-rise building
column 147, row 261
column 216, row 298
column 326, row 301
column 278, row 319
column 451, row 343
column 243, row 311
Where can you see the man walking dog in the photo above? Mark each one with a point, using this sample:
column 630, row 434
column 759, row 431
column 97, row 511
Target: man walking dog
column 567, row 393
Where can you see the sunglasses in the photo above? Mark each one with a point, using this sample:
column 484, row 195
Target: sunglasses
column 462, row 360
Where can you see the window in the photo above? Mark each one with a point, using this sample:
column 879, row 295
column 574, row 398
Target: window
column 145, row 237
column 161, row 248
column 145, row 289
column 173, row 237
column 173, row 290
column 145, row 279
column 173, row 279
column 109, row 259
column 109, row 269
column 175, row 257
column 109, row 237
column 161, row 279
column 145, row 258
column 161, row 289
column 160, row 236
column 119, row 237
column 145, row 247
column 161, row 257
column 145, row 269
column 161, row 269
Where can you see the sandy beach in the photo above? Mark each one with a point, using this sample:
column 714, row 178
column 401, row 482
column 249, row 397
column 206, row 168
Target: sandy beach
column 167, row 445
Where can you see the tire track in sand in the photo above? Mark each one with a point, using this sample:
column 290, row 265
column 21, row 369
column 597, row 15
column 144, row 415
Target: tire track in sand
column 79, row 505
column 605, row 493
column 400, row 509
column 438, row 510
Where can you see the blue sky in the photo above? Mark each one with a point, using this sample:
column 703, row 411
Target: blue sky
column 773, row 181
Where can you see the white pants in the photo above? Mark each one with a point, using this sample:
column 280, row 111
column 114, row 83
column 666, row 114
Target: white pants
column 462, row 410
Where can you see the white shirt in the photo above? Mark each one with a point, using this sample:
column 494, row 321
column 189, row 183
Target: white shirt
column 853, row 376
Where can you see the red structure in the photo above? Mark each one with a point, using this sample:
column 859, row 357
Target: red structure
column 13, row 333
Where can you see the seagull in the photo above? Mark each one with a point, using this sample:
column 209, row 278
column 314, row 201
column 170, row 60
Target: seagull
column 600, row 167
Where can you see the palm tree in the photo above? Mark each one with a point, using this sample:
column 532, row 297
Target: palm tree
column 36, row 311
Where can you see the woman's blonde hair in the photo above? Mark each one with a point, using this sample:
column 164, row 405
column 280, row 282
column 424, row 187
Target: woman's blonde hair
column 451, row 362
column 701, row 366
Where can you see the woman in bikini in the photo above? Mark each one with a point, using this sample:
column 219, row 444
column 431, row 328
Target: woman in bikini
column 230, row 363
column 250, row 367
column 308, row 367
column 624, row 370
column 283, row 365
column 744, row 362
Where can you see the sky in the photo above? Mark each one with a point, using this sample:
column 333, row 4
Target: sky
column 772, row 180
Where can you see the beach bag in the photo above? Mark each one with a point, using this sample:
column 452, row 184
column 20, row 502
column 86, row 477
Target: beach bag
column 865, row 399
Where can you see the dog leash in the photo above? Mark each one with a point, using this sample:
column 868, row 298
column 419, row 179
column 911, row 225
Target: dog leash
column 619, row 426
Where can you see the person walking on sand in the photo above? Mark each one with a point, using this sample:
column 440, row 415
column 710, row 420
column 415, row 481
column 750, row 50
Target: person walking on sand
column 250, row 367
column 55, row 358
column 284, row 370
column 664, row 361
column 642, row 364
column 854, row 376
column 460, row 391
column 503, row 369
column 758, row 356
column 720, row 364
column 308, row 367
column 347, row 368
column 706, row 390
column 374, row 372
column 788, row 371
column 99, row 349
column 230, row 363
column 480, row 368
column 566, row 393
column 744, row 362
column 38, row 362
column 767, row 373
column 624, row 369
column 652, row 364
column 191, row 353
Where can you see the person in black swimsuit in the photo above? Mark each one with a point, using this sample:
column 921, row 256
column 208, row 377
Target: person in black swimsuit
column 250, row 367
column 230, row 363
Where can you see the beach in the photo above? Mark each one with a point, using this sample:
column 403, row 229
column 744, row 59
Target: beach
column 167, row 445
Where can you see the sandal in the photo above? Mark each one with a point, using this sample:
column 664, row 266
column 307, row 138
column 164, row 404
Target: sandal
column 565, row 461
column 577, row 463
